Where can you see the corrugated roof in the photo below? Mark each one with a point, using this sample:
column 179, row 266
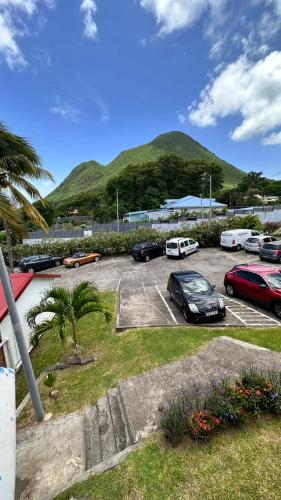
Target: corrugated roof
column 193, row 202
column 20, row 282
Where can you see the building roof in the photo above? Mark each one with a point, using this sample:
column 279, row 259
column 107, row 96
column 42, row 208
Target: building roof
column 192, row 202
column 20, row 282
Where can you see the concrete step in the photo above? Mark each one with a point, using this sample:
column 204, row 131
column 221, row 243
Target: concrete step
column 107, row 438
column 119, row 420
column 92, row 435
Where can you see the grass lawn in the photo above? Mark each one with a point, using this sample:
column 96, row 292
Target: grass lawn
column 119, row 356
column 242, row 463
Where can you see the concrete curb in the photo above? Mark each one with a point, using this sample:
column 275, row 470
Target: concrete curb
column 108, row 464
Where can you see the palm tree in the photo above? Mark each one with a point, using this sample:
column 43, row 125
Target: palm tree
column 67, row 308
column 19, row 163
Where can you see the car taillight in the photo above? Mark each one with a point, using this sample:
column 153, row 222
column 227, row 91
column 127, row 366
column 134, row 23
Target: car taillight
column 276, row 252
column 142, row 252
column 233, row 242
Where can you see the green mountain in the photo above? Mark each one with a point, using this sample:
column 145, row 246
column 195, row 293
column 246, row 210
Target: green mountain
column 90, row 177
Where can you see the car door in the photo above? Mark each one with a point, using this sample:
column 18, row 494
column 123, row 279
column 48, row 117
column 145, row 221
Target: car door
column 259, row 290
column 242, row 282
column 186, row 247
column 192, row 246
column 177, row 294
column 44, row 262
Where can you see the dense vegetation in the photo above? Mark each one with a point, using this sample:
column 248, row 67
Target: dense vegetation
column 207, row 234
column 87, row 182
column 253, row 185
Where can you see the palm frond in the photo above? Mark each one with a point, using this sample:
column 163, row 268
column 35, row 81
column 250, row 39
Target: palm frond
column 29, row 209
column 8, row 212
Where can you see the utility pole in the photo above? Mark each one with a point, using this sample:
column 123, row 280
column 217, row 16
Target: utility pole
column 117, row 210
column 201, row 198
column 22, row 347
column 210, row 196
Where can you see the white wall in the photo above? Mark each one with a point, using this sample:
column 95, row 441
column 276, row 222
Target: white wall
column 7, row 434
column 30, row 297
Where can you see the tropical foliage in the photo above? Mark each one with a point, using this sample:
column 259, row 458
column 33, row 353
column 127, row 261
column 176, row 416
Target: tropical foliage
column 19, row 163
column 66, row 308
column 207, row 234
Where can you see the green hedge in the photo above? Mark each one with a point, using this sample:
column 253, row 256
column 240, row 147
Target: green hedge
column 207, row 234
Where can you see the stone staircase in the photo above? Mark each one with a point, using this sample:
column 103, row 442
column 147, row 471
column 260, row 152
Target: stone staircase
column 55, row 454
column 107, row 430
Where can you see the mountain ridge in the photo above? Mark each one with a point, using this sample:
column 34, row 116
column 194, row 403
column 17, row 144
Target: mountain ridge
column 91, row 176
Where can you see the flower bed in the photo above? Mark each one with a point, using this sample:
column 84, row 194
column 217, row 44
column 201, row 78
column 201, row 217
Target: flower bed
column 201, row 414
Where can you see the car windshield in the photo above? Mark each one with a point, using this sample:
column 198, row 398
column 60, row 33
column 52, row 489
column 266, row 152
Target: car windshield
column 78, row 255
column 200, row 286
column 253, row 240
column 270, row 246
column 274, row 280
column 172, row 245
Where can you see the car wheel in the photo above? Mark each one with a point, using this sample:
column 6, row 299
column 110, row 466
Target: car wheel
column 170, row 296
column 97, row 259
column 197, row 249
column 185, row 315
column 277, row 309
column 163, row 251
column 76, row 264
column 238, row 248
column 182, row 255
column 147, row 258
column 30, row 270
column 230, row 290
column 261, row 258
column 57, row 263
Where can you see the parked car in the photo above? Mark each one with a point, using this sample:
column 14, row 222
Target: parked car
column 79, row 258
column 271, row 251
column 195, row 296
column 38, row 263
column 235, row 238
column 255, row 243
column 180, row 247
column 147, row 251
column 257, row 282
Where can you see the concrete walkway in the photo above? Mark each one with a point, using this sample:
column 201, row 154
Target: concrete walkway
column 55, row 454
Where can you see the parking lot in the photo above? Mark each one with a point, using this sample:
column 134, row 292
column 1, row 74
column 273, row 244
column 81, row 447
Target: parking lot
column 142, row 295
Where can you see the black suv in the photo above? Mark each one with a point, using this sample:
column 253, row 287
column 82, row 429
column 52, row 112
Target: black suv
column 147, row 251
column 195, row 296
column 38, row 263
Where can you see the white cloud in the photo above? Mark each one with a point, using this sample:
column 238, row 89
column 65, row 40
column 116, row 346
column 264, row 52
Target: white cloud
column 66, row 111
column 172, row 15
column 272, row 140
column 251, row 89
column 181, row 117
column 12, row 15
column 89, row 8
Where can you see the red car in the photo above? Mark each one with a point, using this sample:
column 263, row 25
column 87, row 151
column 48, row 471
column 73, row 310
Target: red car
column 257, row 282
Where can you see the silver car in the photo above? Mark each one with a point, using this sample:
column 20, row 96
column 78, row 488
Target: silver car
column 255, row 243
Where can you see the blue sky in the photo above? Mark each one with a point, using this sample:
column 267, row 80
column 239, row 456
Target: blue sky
column 86, row 79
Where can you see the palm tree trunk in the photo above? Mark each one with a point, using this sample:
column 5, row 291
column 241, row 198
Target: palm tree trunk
column 9, row 247
column 74, row 333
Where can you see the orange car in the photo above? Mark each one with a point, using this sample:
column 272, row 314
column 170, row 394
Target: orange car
column 80, row 258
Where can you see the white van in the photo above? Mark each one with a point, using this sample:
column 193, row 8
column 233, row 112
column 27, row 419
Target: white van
column 235, row 238
column 180, row 247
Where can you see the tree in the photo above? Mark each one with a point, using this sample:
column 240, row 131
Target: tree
column 19, row 163
column 67, row 307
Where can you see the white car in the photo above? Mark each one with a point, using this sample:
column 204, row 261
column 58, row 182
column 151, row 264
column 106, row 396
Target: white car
column 180, row 247
column 235, row 238
column 255, row 243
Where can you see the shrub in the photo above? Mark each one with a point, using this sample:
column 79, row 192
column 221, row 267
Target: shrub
column 207, row 234
column 223, row 404
column 50, row 380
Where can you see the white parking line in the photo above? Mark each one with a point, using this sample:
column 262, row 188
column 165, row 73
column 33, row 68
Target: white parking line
column 243, row 310
column 118, row 285
column 167, row 305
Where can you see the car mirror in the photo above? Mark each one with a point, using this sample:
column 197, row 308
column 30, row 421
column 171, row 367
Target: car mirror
column 213, row 286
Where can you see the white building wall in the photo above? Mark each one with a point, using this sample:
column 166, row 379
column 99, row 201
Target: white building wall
column 7, row 434
column 30, row 297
